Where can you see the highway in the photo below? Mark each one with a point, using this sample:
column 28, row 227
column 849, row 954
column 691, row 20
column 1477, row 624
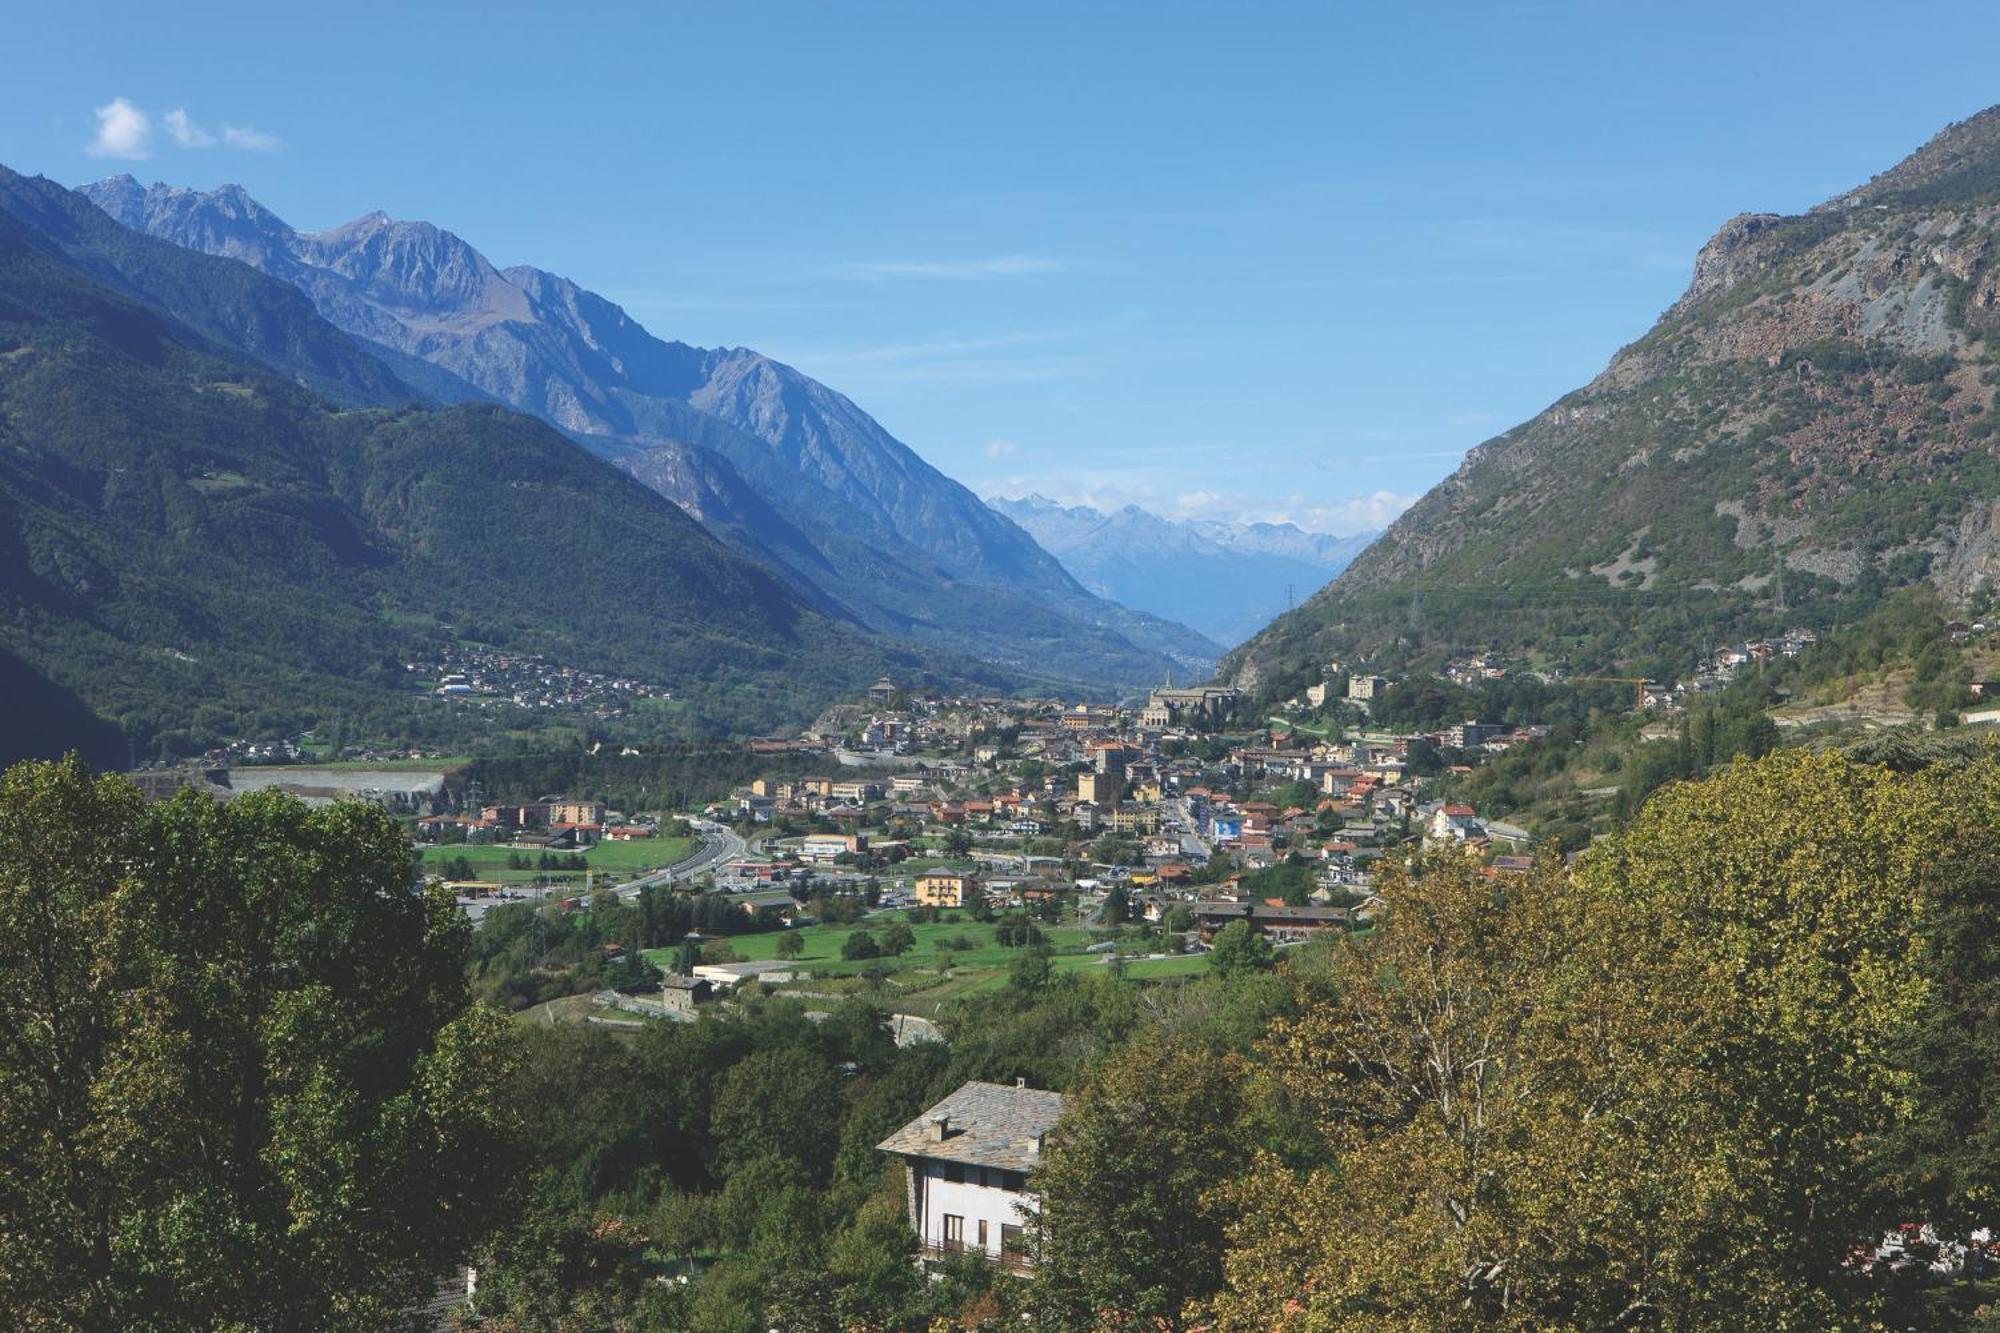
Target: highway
column 719, row 846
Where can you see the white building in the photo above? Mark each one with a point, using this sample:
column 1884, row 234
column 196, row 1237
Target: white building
column 1456, row 823
column 968, row 1159
column 823, row 847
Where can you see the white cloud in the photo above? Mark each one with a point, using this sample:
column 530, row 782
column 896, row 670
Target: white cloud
column 1356, row 513
column 123, row 131
column 184, row 131
column 952, row 270
column 1001, row 448
column 1106, row 492
column 249, row 140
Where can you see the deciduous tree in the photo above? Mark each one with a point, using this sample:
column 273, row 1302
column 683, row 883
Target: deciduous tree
column 1131, row 1226
column 241, row 1083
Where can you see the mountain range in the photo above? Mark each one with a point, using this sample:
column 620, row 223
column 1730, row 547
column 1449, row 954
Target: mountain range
column 222, row 516
column 1812, row 424
column 1227, row 580
column 778, row 466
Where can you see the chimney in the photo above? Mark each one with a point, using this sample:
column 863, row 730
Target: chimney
column 1035, row 1146
column 940, row 1126
column 1020, row 1082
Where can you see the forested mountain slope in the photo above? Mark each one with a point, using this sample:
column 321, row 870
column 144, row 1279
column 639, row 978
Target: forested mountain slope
column 1810, row 425
column 751, row 446
column 193, row 547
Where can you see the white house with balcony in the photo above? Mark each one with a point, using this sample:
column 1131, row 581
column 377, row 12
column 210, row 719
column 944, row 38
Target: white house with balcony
column 968, row 1160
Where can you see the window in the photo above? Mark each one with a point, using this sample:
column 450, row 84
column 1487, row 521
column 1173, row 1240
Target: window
column 953, row 1172
column 1013, row 1180
column 954, row 1232
column 982, row 1233
column 1010, row 1241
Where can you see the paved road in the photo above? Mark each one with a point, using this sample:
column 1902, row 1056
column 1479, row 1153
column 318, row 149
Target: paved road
column 719, row 846
column 1192, row 844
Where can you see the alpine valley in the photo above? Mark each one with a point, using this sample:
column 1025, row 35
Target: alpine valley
column 221, row 516
column 778, row 466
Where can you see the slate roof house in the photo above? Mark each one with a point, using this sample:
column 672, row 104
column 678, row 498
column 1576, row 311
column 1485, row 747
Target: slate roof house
column 968, row 1159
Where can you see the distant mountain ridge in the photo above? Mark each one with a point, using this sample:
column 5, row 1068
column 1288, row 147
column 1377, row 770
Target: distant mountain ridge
column 220, row 517
column 1227, row 580
column 777, row 464
column 1812, row 424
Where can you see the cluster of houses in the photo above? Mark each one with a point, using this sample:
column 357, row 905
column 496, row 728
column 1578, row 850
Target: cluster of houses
column 1714, row 671
column 1031, row 793
column 1721, row 666
column 491, row 678
column 538, row 825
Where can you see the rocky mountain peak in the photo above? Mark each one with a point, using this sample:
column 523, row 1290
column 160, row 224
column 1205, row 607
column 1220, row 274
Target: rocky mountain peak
column 415, row 268
column 122, row 197
column 899, row 539
column 1727, row 258
column 224, row 221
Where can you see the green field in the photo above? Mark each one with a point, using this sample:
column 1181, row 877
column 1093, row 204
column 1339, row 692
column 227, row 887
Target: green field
column 1322, row 730
column 823, row 944
column 621, row 860
column 821, row 954
column 1141, row 969
column 928, row 996
column 642, row 853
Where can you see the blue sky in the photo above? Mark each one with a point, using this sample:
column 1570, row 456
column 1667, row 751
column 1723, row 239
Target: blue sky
column 1236, row 260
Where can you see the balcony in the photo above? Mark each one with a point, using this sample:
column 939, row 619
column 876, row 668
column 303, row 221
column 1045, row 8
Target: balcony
column 1016, row 1263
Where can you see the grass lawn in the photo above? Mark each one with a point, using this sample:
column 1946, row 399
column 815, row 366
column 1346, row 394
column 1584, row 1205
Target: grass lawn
column 1320, row 729
column 1187, row 965
column 619, row 860
column 823, row 945
column 487, row 862
column 640, row 853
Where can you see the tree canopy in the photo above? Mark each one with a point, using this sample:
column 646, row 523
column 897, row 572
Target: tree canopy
column 241, row 1081
column 1649, row 1092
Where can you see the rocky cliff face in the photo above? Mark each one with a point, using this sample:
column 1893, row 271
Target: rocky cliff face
column 1811, row 423
column 891, row 538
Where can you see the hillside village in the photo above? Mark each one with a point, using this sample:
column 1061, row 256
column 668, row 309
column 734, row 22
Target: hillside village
column 1131, row 835
column 1140, row 833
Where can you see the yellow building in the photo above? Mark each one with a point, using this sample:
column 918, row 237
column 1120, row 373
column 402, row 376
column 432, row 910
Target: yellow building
column 945, row 888
column 1133, row 819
